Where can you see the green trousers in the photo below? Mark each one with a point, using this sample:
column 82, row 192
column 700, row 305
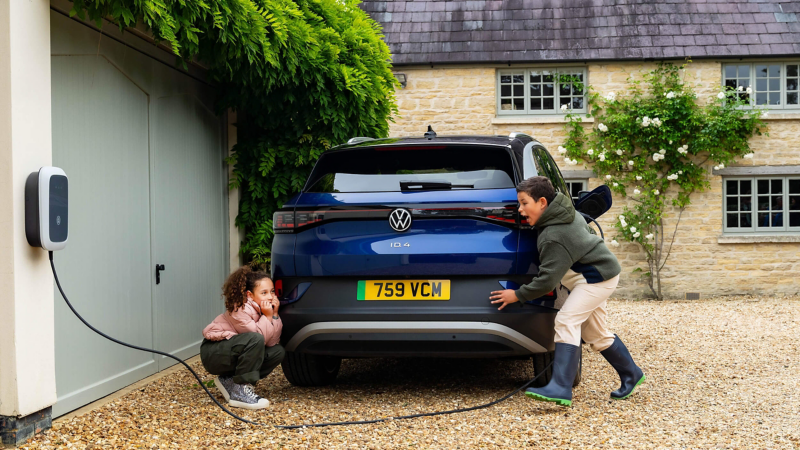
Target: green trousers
column 244, row 357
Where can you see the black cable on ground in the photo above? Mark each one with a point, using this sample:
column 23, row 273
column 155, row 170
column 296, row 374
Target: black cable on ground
column 285, row 427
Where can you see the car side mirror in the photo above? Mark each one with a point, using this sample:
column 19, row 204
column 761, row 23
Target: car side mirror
column 595, row 203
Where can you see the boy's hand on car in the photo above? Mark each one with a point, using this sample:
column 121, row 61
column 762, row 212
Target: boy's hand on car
column 506, row 297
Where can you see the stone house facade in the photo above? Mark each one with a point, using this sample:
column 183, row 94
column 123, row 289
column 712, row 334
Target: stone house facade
column 479, row 67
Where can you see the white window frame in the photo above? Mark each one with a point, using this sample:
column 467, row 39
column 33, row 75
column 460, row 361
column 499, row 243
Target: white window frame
column 583, row 182
column 755, row 228
column 752, row 81
column 526, row 72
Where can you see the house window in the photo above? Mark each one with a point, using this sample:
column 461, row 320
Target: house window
column 774, row 85
column 768, row 204
column 541, row 91
column 575, row 187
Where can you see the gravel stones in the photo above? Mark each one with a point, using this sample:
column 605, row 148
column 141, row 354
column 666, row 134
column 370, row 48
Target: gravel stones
column 721, row 373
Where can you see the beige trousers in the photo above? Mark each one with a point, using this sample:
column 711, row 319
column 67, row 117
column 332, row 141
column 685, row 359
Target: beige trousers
column 584, row 312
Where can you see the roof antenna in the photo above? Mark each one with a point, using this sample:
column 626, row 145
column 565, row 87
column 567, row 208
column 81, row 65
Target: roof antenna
column 430, row 134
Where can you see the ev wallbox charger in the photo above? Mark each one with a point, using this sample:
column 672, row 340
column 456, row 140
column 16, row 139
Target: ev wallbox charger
column 46, row 208
column 46, row 213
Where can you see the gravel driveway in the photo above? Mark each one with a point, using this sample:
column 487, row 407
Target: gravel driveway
column 722, row 373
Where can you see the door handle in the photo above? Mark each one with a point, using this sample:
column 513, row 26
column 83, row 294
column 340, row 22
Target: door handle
column 159, row 268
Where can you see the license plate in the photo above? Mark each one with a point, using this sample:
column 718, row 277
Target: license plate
column 404, row 290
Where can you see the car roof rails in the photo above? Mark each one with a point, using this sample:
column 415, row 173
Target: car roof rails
column 357, row 140
column 517, row 134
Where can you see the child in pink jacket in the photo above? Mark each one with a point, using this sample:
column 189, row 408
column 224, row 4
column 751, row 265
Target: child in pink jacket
column 241, row 344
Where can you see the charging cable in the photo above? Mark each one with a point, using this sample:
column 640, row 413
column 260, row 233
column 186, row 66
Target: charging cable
column 285, row 427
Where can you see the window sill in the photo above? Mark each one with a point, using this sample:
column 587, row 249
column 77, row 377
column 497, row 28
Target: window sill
column 517, row 120
column 756, row 238
column 781, row 115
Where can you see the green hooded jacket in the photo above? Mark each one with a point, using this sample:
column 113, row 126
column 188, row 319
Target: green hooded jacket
column 566, row 242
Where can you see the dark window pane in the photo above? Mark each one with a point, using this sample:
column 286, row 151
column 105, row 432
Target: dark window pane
column 519, row 104
column 763, row 203
column 777, row 203
column 791, row 98
column 777, row 186
column 763, row 186
column 563, row 101
column 547, row 78
column 774, row 98
column 791, row 71
column 794, row 186
column 745, row 187
column 505, row 78
column 775, row 70
column 577, row 90
column 519, row 90
column 794, row 203
column 732, row 187
column 548, row 103
column 745, row 220
column 733, row 220
column 730, row 71
column 745, row 203
column 791, row 84
column 733, row 204
column 777, row 219
column 744, row 71
column 579, row 76
column 794, row 220
column 774, row 84
column 536, row 90
column 761, row 84
column 761, row 71
column 761, row 98
column 536, row 103
column 519, row 78
column 505, row 91
column 763, row 220
column 548, row 89
column 564, row 89
column 577, row 103
column 505, row 104
column 731, row 83
column 536, row 78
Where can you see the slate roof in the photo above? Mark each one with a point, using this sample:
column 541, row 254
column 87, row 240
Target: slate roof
column 431, row 31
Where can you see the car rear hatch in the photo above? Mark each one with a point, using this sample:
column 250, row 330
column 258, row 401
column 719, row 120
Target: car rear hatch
column 420, row 210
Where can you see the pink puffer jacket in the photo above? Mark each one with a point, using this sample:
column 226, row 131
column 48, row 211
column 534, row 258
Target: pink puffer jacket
column 246, row 319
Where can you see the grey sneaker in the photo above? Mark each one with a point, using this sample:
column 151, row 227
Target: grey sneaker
column 242, row 396
column 224, row 384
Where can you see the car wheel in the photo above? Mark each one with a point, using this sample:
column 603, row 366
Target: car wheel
column 541, row 360
column 310, row 370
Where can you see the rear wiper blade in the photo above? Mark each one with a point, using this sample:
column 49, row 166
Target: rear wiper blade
column 425, row 185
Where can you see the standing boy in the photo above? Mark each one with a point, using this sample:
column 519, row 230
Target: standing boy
column 571, row 254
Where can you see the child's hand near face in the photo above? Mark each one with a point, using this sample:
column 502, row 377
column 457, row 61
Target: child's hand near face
column 275, row 305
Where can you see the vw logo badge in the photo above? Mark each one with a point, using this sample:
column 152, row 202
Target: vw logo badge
column 400, row 219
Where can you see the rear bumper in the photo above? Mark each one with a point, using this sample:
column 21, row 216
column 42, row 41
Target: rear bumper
column 329, row 320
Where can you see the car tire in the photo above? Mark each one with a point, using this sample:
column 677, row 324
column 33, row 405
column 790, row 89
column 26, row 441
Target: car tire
column 310, row 370
column 541, row 361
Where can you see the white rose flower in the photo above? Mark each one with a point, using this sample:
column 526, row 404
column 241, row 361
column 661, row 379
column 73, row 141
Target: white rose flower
column 622, row 218
column 686, row 146
column 616, row 184
column 749, row 90
column 561, row 150
column 630, row 163
column 656, row 192
column 740, row 88
column 611, row 96
column 662, row 151
column 764, row 115
column 602, row 127
column 564, row 107
column 633, row 229
column 657, row 122
column 680, row 172
column 637, row 234
column 619, row 152
column 602, row 157
column 638, row 178
column 636, row 192
column 722, row 166
column 670, row 142
column 649, row 236
column 721, row 95
column 590, row 151
column 749, row 156
column 716, row 167
column 656, row 156
column 614, row 243
column 670, row 95
column 608, row 177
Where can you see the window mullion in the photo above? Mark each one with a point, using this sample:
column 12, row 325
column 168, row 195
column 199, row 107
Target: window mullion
column 527, row 94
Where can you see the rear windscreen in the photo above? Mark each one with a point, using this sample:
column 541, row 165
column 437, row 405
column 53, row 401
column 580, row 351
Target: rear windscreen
column 390, row 170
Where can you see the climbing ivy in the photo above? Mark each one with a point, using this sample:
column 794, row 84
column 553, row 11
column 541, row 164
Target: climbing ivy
column 654, row 145
column 302, row 75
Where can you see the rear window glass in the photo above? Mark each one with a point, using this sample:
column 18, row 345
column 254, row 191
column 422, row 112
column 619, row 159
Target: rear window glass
column 386, row 170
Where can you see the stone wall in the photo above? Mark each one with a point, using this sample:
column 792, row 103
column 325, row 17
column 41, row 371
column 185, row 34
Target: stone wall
column 461, row 100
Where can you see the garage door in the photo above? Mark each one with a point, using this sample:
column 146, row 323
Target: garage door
column 144, row 153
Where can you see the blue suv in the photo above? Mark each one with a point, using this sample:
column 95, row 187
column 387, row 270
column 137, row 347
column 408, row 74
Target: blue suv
column 393, row 245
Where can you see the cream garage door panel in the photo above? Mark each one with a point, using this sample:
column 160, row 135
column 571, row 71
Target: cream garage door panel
column 100, row 138
column 189, row 232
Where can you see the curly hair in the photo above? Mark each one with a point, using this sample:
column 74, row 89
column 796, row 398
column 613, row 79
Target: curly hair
column 238, row 283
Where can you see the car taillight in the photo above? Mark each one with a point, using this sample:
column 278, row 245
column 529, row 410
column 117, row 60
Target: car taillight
column 283, row 222
column 279, row 288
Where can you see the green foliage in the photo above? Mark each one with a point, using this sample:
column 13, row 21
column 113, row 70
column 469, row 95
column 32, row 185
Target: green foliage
column 651, row 146
column 302, row 75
